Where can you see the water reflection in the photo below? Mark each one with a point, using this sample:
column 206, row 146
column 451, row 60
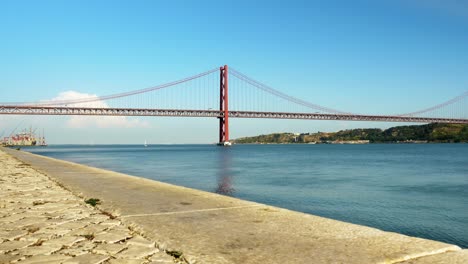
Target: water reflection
column 225, row 172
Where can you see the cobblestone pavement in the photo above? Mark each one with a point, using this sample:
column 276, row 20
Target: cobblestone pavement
column 41, row 222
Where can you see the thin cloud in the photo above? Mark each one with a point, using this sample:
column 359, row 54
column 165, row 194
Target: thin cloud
column 96, row 121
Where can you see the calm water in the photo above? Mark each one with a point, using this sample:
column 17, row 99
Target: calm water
column 418, row 190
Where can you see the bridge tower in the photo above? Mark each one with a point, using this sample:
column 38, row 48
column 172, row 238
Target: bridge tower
column 223, row 107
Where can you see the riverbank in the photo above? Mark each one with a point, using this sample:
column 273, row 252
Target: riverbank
column 210, row 228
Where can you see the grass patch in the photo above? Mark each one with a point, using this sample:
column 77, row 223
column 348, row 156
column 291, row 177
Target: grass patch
column 111, row 216
column 93, row 201
column 89, row 236
column 38, row 243
column 40, row 202
column 176, row 254
column 33, row 229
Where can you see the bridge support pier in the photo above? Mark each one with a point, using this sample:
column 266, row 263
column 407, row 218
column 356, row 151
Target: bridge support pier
column 223, row 107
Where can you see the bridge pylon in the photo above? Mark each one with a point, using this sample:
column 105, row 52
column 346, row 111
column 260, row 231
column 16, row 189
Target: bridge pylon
column 223, row 107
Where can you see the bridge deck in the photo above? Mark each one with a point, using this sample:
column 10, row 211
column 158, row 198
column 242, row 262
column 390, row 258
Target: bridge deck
column 62, row 110
column 210, row 228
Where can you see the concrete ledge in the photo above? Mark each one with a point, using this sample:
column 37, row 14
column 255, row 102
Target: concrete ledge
column 211, row 228
column 457, row 257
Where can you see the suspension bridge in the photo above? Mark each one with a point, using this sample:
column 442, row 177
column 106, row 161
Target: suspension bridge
column 225, row 93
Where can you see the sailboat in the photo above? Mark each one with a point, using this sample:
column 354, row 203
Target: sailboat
column 42, row 141
column 145, row 143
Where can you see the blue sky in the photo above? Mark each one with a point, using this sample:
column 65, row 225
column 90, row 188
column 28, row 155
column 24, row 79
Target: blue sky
column 360, row 56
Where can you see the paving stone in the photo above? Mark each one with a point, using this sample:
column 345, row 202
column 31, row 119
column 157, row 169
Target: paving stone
column 54, row 231
column 110, row 249
column 120, row 228
column 39, row 236
column 9, row 227
column 72, row 225
column 74, row 217
column 36, row 227
column 89, row 230
column 39, row 250
column 49, row 208
column 11, row 218
column 87, row 259
column 12, row 245
column 162, row 261
column 97, row 218
column 7, row 258
column 137, row 252
column 54, row 219
column 13, row 234
column 138, row 240
column 161, row 257
column 43, row 259
column 32, row 213
column 30, row 221
column 111, row 222
column 127, row 261
column 84, row 245
column 66, row 241
column 73, row 252
column 111, row 237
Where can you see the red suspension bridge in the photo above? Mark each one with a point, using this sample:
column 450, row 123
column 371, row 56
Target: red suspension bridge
column 224, row 93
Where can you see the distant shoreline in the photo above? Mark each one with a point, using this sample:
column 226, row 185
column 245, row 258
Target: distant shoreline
column 370, row 143
column 417, row 134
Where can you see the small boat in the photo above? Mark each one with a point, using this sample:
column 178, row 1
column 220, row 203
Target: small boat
column 225, row 144
column 145, row 143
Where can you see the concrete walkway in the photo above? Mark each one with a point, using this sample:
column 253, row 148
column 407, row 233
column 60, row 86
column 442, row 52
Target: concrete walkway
column 41, row 222
column 210, row 228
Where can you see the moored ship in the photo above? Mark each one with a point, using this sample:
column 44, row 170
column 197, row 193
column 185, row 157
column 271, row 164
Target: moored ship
column 24, row 138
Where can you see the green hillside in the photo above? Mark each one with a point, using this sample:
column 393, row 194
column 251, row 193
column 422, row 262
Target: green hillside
column 442, row 133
